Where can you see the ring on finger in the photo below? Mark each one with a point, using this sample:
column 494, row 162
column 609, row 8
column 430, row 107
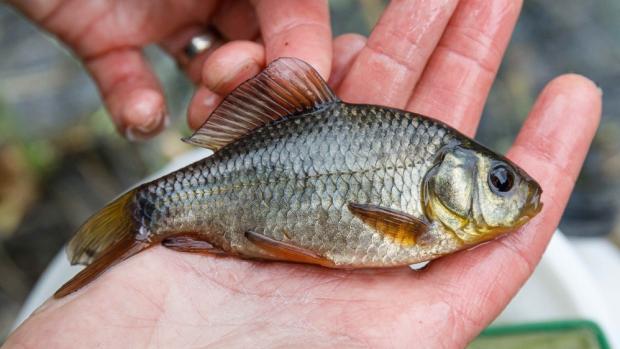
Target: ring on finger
column 201, row 42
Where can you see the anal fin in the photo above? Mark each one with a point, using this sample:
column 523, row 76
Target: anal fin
column 403, row 228
column 191, row 243
column 287, row 252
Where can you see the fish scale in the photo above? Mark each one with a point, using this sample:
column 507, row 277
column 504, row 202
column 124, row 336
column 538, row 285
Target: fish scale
column 277, row 195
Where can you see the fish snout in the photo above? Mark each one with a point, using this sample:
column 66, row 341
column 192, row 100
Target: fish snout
column 533, row 204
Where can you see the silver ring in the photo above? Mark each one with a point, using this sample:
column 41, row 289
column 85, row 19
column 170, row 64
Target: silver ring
column 201, row 43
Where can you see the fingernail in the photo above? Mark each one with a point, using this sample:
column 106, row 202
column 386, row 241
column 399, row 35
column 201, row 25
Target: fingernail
column 144, row 114
column 130, row 134
column 144, row 132
column 598, row 86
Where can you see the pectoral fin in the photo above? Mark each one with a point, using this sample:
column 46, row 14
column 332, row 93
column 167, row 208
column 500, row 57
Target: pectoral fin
column 191, row 243
column 285, row 251
column 403, row 228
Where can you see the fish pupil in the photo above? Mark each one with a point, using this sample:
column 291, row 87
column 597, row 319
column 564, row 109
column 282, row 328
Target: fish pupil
column 501, row 179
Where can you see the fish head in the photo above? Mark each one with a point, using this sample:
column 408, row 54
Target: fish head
column 478, row 194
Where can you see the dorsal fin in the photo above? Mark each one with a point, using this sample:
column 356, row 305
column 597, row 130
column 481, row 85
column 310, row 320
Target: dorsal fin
column 286, row 87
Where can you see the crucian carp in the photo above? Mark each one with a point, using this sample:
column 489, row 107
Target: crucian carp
column 298, row 175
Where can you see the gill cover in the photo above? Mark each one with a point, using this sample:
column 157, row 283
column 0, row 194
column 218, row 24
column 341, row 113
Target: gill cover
column 478, row 195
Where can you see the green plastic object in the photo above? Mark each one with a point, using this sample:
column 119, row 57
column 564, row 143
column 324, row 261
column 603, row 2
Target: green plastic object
column 572, row 334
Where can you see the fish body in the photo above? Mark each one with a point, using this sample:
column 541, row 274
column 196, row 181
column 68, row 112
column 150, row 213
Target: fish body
column 300, row 176
column 293, row 181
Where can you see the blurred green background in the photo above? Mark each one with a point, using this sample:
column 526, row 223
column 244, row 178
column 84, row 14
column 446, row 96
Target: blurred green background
column 60, row 158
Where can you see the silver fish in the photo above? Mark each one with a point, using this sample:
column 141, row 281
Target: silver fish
column 299, row 176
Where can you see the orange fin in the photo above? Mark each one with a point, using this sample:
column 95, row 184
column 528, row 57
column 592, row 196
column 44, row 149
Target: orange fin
column 286, row 252
column 191, row 243
column 112, row 255
column 288, row 86
column 403, row 228
column 112, row 223
column 106, row 238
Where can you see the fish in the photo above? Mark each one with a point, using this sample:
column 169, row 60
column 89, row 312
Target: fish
column 299, row 176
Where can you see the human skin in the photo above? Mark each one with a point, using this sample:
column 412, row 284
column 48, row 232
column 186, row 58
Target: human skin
column 423, row 56
column 109, row 35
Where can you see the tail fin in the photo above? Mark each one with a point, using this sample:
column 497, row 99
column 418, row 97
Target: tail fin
column 105, row 239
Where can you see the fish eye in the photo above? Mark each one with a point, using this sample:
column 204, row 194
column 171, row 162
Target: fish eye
column 501, row 179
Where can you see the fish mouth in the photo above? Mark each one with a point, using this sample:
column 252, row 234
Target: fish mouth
column 533, row 205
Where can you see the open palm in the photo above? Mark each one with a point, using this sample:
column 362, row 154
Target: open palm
column 434, row 59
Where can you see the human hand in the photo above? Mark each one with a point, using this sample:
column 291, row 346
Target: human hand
column 438, row 60
column 108, row 36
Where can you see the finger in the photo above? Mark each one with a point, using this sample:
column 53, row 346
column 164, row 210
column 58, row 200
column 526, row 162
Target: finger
column 551, row 147
column 231, row 65
column 457, row 79
column 176, row 44
column 203, row 102
column 131, row 92
column 346, row 47
column 298, row 29
column 37, row 10
column 233, row 20
column 238, row 61
column 236, row 20
column 225, row 69
column 388, row 67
